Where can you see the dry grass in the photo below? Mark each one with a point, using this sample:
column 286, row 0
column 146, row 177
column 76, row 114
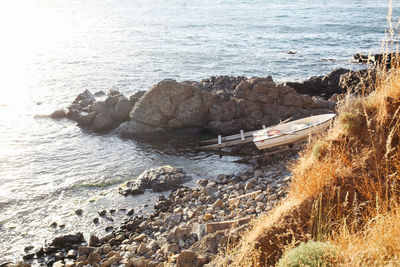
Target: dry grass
column 345, row 188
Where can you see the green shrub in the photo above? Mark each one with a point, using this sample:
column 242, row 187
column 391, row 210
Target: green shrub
column 310, row 254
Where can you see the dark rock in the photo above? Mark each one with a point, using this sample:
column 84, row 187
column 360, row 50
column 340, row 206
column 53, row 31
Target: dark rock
column 78, row 212
column 39, row 253
column 157, row 179
column 109, row 228
column 65, row 240
column 130, row 212
column 102, row 213
column 54, row 224
column 96, row 220
column 59, row 256
column 28, row 248
column 388, row 59
column 112, row 211
column 49, row 250
column 29, row 256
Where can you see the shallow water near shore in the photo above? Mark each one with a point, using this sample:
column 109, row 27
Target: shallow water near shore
column 53, row 51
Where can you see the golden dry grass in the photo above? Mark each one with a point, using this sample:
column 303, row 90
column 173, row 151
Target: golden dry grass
column 345, row 188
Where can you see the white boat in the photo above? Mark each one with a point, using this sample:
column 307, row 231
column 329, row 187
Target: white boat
column 291, row 132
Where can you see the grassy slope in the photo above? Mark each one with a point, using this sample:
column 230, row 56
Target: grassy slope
column 345, row 188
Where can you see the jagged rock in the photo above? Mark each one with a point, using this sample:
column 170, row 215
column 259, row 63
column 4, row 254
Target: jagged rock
column 322, row 85
column 158, row 179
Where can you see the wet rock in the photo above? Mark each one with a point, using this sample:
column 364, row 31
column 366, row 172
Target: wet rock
column 29, row 256
column 70, row 239
column 130, row 212
column 93, row 240
column 28, row 248
column 158, row 179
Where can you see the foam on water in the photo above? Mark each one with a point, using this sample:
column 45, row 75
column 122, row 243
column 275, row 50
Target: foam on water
column 51, row 51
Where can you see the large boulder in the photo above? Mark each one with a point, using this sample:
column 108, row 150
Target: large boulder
column 158, row 179
column 169, row 105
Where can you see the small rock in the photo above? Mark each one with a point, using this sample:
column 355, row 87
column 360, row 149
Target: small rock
column 93, row 240
column 71, row 254
column 28, row 248
column 79, row 212
column 142, row 249
column 109, row 228
column 54, row 224
column 102, row 213
column 139, row 238
column 218, row 204
column 110, row 261
column 130, row 212
column 175, row 218
column 202, row 182
column 106, row 248
column 186, row 258
column 208, row 217
column 260, row 197
column 96, row 220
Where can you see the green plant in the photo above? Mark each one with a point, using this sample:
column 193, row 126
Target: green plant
column 319, row 254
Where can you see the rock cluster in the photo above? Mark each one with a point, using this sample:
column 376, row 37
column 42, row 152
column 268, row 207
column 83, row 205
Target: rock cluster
column 99, row 116
column 188, row 228
column 158, row 179
column 223, row 105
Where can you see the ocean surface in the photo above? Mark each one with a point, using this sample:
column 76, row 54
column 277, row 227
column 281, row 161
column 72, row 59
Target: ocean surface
column 50, row 51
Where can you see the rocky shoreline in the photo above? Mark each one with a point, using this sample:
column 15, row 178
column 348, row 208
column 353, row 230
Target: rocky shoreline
column 220, row 104
column 188, row 228
column 192, row 225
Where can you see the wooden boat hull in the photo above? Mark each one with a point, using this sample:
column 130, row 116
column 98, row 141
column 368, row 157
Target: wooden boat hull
column 291, row 132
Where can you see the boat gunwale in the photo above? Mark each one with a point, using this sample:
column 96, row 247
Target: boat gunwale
column 258, row 139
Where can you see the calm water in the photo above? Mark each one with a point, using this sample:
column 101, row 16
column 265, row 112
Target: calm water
column 52, row 50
